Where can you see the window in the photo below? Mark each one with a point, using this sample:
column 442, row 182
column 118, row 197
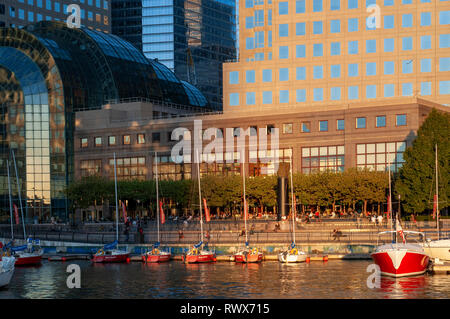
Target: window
column 340, row 125
column 250, row 76
column 381, row 121
column 317, row 6
column 425, row 88
column 335, row 5
column 407, row 43
column 300, row 73
column 300, row 28
column 444, row 41
column 301, row 95
column 318, row 94
column 284, row 96
column 112, row 140
column 315, row 159
column 389, row 22
column 353, row 92
column 389, row 90
column 323, row 126
column 353, row 69
column 353, row 47
column 259, row 39
column 371, row 91
column 335, row 26
column 425, row 42
column 400, row 120
column 389, row 67
column 287, row 128
column 425, row 19
column 249, row 3
column 234, row 77
column 283, row 52
column 444, row 64
column 284, row 74
column 156, row 137
column 444, row 17
column 234, row 99
column 84, row 142
column 371, row 46
column 130, row 168
column 378, row 156
column 317, row 72
column 126, row 140
column 305, row 127
column 267, row 75
column 371, row 68
column 317, row 27
column 141, row 138
column 360, row 122
column 407, row 89
column 267, row 97
column 407, row 20
column 335, row 93
column 335, row 48
column 317, row 49
column 250, row 43
column 300, row 51
column 389, row 45
column 407, row 66
column 259, row 18
column 283, row 30
column 250, row 98
column 249, row 22
column 300, row 6
column 425, row 65
column 90, row 167
column 353, row 24
column 283, row 8
column 444, row 87
column 98, row 141
column 353, row 4
column 335, row 71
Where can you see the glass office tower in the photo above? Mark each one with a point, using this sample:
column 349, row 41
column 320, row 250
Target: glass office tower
column 192, row 38
column 47, row 73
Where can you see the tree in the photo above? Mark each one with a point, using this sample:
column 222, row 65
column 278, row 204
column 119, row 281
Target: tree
column 416, row 178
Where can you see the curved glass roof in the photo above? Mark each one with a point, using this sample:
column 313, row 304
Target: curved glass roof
column 195, row 96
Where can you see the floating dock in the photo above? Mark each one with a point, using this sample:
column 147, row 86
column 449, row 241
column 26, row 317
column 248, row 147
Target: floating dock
column 441, row 268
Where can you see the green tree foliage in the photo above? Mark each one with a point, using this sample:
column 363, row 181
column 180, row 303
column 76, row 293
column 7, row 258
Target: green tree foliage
column 416, row 179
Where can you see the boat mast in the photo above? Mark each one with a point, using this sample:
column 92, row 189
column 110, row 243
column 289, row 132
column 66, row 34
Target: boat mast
column 390, row 198
column 117, row 205
column 199, row 195
column 20, row 197
column 157, row 194
column 292, row 196
column 10, row 201
column 245, row 202
column 437, row 191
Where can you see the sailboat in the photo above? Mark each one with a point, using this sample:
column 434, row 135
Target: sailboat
column 438, row 249
column 400, row 259
column 156, row 255
column 292, row 254
column 247, row 254
column 30, row 254
column 6, row 269
column 109, row 253
column 199, row 253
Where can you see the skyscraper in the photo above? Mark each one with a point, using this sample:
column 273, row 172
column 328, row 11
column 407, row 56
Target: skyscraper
column 192, row 38
column 94, row 14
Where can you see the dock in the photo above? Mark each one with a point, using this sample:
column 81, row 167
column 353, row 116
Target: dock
column 441, row 268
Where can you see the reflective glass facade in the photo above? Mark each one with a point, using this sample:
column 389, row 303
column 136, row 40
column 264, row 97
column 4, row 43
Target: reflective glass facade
column 192, row 38
column 47, row 73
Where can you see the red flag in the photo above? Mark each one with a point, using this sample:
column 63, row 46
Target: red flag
column 400, row 231
column 161, row 212
column 125, row 219
column 434, row 206
column 207, row 217
column 16, row 214
column 245, row 210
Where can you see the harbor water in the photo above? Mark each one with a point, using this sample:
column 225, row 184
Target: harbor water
column 220, row 280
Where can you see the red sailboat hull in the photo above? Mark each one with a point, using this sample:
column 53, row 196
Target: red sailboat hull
column 401, row 263
column 156, row 258
column 28, row 261
column 110, row 258
column 248, row 258
column 189, row 259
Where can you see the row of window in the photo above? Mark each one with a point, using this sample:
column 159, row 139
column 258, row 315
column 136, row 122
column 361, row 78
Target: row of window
column 32, row 17
column 336, row 70
column 57, row 6
column 335, row 93
column 425, row 42
column 353, row 24
column 126, row 140
column 318, row 5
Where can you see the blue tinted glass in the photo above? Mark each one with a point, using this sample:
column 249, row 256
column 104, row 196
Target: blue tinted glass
column 284, row 96
column 444, row 64
column 401, row 120
column 284, row 74
column 407, row 66
column 389, row 67
column 318, row 94
column 352, row 4
column 444, row 41
column 317, row 6
column 407, row 20
column 407, row 43
column 267, row 97
column 444, row 87
column 444, row 17
column 335, row 71
column 250, row 76
column 317, row 27
column 388, row 3
column 283, row 52
column 360, row 122
column 250, row 98
column 381, row 120
column 407, row 89
column 318, row 49
column 425, row 42
column 335, row 93
column 371, row 46
column 249, row 22
column 234, row 99
column 234, row 77
column 300, row 28
column 317, row 72
column 353, row 47
column 283, row 30
column 353, row 24
column 283, row 8
column 335, row 5
column 335, row 26
column 425, row 65
column 323, row 126
column 335, row 48
column 353, row 92
column 300, row 51
column 301, row 95
column 300, row 6
column 353, row 69
column 267, row 75
column 389, row 45
column 340, row 123
column 389, row 90
column 425, row 19
column 300, row 73
column 425, row 88
column 389, row 22
column 371, row 91
column 371, row 68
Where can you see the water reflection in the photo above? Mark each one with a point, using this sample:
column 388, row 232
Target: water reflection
column 334, row 279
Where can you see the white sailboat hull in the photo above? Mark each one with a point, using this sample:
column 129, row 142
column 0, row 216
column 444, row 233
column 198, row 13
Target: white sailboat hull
column 438, row 249
column 6, row 270
column 286, row 257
